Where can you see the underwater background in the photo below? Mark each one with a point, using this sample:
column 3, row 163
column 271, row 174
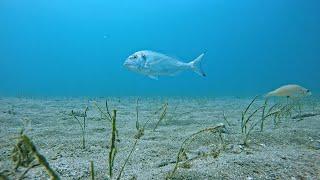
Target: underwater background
column 69, row 108
column 77, row 48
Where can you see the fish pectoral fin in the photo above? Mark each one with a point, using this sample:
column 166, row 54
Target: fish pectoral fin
column 146, row 65
column 153, row 77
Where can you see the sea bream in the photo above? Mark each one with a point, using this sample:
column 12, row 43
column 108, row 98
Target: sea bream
column 154, row 64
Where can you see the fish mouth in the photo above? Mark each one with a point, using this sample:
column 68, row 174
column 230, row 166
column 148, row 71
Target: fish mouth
column 128, row 66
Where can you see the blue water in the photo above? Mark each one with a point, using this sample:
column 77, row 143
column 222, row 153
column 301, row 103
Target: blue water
column 77, row 47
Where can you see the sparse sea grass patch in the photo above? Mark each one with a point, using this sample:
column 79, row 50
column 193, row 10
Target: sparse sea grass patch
column 268, row 112
column 249, row 119
column 25, row 154
column 182, row 159
column 298, row 104
column 111, row 117
column 113, row 148
column 294, row 105
column 82, row 125
column 137, row 115
column 127, row 164
column 40, row 158
column 128, row 157
column 21, row 155
column 137, row 136
column 113, row 141
column 173, row 115
column 244, row 119
column 284, row 111
column 313, row 102
column 161, row 108
column 104, row 115
column 247, row 122
column 225, row 118
column 140, row 129
column 163, row 114
column 301, row 104
column 92, row 173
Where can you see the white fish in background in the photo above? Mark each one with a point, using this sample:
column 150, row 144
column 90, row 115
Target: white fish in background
column 291, row 90
column 155, row 64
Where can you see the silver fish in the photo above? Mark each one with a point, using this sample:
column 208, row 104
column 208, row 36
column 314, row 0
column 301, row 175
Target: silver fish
column 155, row 64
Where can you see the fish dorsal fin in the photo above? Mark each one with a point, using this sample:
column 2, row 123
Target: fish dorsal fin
column 153, row 77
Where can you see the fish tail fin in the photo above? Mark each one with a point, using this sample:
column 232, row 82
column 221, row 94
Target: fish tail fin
column 196, row 65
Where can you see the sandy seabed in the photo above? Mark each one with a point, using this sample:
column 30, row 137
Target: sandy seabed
column 288, row 150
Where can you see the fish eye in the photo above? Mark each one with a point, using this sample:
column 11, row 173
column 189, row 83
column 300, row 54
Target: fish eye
column 308, row 90
column 133, row 57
